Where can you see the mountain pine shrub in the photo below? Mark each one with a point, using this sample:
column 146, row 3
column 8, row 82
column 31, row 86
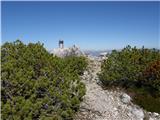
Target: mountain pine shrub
column 124, row 67
column 36, row 85
column 151, row 75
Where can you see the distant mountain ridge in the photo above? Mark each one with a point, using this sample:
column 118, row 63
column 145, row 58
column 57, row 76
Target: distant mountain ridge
column 96, row 52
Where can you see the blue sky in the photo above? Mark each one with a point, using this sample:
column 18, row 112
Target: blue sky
column 90, row 25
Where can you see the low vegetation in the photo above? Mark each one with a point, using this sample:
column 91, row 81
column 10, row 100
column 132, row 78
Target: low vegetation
column 36, row 85
column 136, row 70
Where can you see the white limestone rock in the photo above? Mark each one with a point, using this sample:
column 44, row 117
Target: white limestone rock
column 125, row 98
column 63, row 52
column 138, row 113
column 154, row 116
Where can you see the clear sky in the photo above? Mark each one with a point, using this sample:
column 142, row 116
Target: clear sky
column 90, row 25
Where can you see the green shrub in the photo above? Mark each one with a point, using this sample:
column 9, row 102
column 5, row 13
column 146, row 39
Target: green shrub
column 151, row 75
column 125, row 66
column 78, row 64
column 36, row 85
column 148, row 102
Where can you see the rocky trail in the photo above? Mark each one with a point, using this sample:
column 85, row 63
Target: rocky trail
column 99, row 104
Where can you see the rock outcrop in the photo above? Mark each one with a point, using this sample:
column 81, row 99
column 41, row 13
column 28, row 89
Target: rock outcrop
column 63, row 52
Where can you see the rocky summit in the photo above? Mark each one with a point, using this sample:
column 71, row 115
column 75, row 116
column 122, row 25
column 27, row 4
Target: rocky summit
column 63, row 52
column 100, row 104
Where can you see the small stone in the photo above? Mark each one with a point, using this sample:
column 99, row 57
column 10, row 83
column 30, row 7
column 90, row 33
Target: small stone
column 151, row 118
column 125, row 98
column 155, row 114
column 149, row 113
column 115, row 109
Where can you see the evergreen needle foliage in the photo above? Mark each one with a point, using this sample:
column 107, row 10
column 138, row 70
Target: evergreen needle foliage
column 38, row 86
